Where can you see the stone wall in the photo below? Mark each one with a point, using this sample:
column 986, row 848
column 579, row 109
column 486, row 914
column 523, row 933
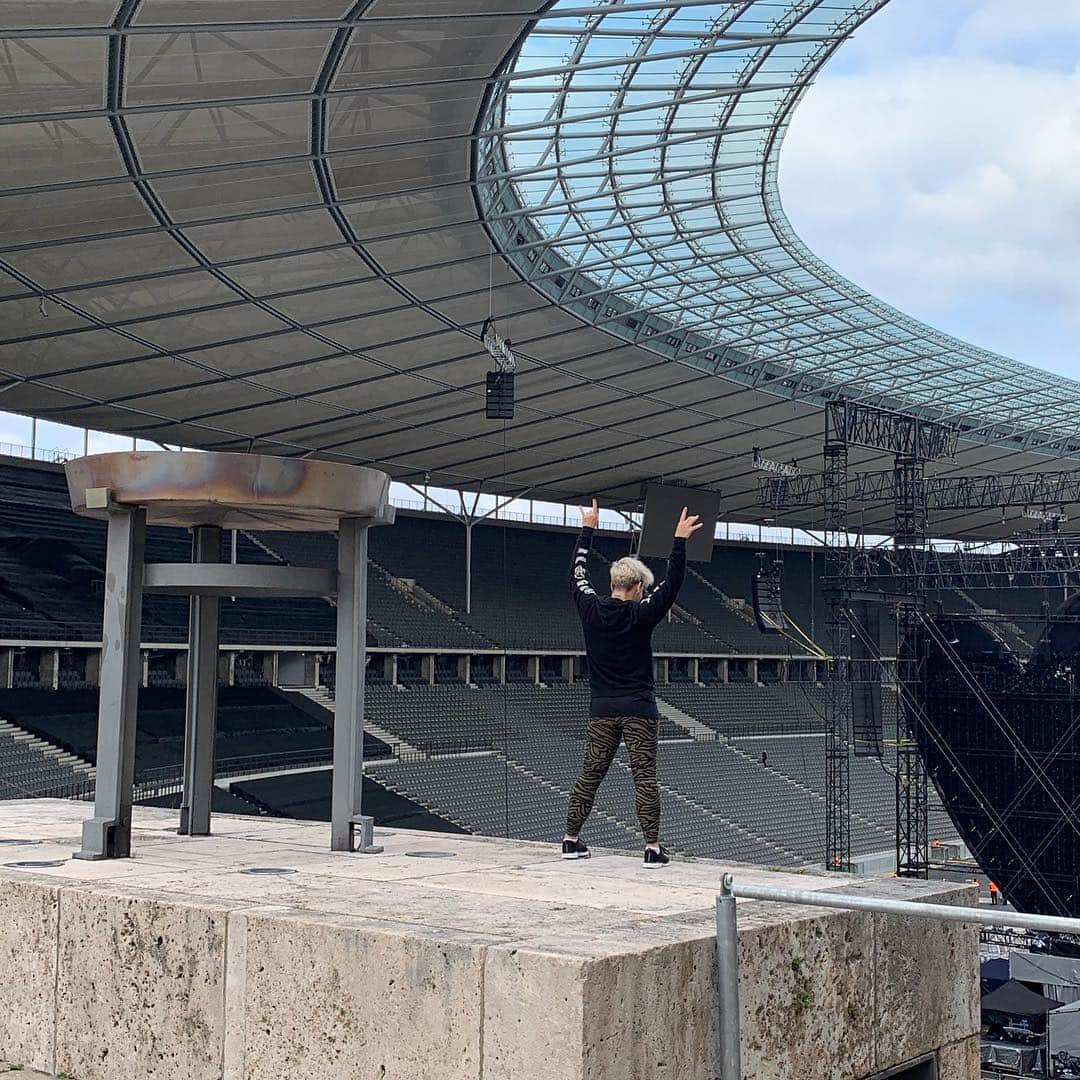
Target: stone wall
column 105, row 982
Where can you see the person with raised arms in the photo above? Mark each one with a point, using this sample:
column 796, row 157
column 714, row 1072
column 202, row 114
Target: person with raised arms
column 618, row 644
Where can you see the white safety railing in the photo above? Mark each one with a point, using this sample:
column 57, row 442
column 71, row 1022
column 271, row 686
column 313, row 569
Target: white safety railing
column 36, row 453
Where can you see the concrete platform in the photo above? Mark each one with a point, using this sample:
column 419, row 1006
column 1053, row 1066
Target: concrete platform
column 494, row 960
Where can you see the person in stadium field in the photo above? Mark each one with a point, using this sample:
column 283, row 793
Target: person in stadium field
column 618, row 643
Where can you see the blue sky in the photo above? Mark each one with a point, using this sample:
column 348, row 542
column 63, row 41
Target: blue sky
column 936, row 162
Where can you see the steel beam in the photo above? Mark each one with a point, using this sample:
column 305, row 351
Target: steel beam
column 200, row 709
column 203, row 578
column 348, row 783
column 107, row 835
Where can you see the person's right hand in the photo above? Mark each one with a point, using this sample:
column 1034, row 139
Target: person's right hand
column 688, row 525
column 590, row 519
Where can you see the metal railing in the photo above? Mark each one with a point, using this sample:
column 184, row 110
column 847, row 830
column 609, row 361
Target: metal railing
column 169, row 779
column 36, row 453
column 727, row 947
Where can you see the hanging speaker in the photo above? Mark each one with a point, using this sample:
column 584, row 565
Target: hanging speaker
column 766, row 589
column 500, row 395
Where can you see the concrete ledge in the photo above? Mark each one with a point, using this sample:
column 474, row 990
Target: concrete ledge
column 499, row 962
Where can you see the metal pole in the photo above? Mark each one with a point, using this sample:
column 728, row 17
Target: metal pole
column 348, row 781
column 107, row 835
column 943, row 912
column 468, row 567
column 200, row 719
column 727, row 972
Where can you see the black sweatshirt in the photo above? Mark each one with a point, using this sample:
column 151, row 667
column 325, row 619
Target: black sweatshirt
column 618, row 635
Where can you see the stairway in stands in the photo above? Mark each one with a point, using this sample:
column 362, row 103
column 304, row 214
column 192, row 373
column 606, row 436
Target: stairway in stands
column 33, row 766
column 700, row 731
column 628, row 827
column 321, row 696
column 738, row 608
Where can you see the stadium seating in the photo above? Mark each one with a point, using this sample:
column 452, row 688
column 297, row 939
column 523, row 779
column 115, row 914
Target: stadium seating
column 252, row 723
column 26, row 770
column 746, row 709
column 52, row 569
column 503, row 759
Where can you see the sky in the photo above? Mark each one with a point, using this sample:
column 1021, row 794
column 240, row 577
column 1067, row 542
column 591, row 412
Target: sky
column 936, row 163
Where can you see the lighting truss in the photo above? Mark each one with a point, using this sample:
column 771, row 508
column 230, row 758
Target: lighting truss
column 984, row 492
column 1033, row 562
column 779, row 468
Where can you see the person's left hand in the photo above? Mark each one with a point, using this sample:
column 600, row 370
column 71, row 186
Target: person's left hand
column 688, row 525
column 590, row 519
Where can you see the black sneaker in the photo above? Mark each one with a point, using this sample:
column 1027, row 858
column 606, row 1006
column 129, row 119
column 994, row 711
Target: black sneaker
column 656, row 858
column 574, row 849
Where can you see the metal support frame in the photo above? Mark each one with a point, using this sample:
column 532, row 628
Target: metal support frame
column 348, row 784
column 468, row 566
column 913, row 442
column 468, row 517
column 838, row 689
column 237, row 579
column 200, row 707
column 895, row 432
column 912, row 783
column 727, row 979
column 108, row 833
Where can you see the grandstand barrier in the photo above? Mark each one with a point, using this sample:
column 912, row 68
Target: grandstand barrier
column 169, row 780
column 28, row 661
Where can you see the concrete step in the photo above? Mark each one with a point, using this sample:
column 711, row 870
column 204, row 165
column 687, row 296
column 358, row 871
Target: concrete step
column 46, row 749
column 685, row 721
column 321, row 697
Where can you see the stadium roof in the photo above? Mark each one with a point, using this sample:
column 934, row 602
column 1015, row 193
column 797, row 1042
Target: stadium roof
column 281, row 225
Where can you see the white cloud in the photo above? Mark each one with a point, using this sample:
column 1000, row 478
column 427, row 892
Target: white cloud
column 996, row 25
column 946, row 184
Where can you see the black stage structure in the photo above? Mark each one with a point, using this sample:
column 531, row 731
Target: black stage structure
column 947, row 691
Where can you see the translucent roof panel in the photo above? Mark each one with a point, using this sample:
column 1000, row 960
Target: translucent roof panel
column 627, row 164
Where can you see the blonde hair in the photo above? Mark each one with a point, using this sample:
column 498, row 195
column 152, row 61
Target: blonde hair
column 626, row 573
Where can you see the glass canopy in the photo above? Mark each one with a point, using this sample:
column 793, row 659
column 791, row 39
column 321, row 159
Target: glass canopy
column 627, row 164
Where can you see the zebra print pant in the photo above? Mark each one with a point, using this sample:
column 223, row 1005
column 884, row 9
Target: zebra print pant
column 601, row 743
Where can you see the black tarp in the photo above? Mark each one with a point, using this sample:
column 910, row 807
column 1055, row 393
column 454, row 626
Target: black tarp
column 1015, row 999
